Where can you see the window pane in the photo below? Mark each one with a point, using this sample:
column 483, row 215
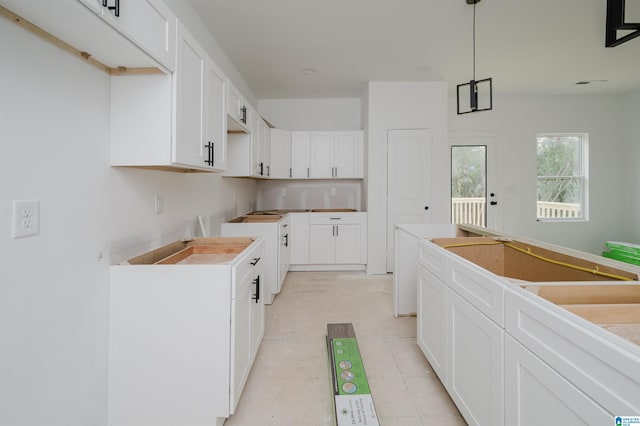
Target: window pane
column 468, row 184
column 559, row 156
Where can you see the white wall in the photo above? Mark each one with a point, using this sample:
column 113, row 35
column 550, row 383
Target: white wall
column 312, row 114
column 54, row 133
column 516, row 121
column 630, row 204
column 402, row 105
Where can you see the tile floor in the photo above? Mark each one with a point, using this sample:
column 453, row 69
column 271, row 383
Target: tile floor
column 289, row 384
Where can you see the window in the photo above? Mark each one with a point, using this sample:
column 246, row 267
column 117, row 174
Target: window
column 562, row 177
column 468, row 184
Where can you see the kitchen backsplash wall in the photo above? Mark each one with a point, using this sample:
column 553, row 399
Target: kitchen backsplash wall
column 313, row 194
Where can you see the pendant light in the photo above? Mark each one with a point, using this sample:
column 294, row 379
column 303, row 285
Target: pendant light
column 474, row 86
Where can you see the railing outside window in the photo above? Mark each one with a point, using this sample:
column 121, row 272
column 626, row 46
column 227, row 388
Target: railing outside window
column 471, row 211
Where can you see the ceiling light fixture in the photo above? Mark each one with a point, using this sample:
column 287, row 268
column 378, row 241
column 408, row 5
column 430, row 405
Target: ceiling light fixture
column 308, row 71
column 616, row 22
column 470, row 90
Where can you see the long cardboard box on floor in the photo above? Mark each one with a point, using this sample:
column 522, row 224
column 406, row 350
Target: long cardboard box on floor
column 353, row 402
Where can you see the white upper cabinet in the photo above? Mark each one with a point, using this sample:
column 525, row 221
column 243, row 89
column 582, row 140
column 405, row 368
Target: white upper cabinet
column 280, row 154
column 150, row 24
column 238, row 110
column 327, row 155
column 190, row 76
column 300, row 155
column 322, row 153
column 263, row 147
column 171, row 121
column 82, row 25
column 215, row 111
column 348, row 154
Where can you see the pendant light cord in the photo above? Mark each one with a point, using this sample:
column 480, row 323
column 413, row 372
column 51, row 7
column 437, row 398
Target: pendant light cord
column 474, row 40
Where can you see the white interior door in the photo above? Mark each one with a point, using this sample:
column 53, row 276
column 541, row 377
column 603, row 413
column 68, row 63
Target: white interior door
column 408, row 182
column 474, row 185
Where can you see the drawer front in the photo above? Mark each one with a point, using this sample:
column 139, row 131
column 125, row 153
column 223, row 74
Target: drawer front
column 480, row 288
column 335, row 218
column 586, row 355
column 247, row 264
column 433, row 259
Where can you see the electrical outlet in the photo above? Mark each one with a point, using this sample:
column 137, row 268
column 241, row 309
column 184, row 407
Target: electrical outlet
column 159, row 204
column 26, row 218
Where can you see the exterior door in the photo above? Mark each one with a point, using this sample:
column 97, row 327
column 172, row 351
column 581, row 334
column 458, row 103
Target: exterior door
column 408, row 182
column 474, row 196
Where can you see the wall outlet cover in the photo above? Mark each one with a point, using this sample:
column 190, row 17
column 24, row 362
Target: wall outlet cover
column 26, row 218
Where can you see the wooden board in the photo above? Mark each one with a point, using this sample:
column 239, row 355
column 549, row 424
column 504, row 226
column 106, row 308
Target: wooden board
column 483, row 251
column 589, row 294
column 622, row 313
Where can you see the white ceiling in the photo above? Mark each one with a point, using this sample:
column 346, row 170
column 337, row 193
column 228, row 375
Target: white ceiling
column 526, row 46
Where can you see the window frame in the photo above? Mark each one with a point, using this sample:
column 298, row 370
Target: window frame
column 583, row 177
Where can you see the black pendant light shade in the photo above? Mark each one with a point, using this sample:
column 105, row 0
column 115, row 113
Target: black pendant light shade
column 476, row 95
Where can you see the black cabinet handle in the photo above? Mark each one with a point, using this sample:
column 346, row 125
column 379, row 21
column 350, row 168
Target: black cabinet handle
column 269, row 170
column 115, row 8
column 255, row 261
column 209, row 160
column 286, row 240
column 256, row 296
column 426, row 207
column 290, row 172
column 104, row 3
column 243, row 110
column 261, row 172
column 493, row 203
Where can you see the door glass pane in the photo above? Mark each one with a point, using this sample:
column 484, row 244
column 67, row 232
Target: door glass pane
column 468, row 184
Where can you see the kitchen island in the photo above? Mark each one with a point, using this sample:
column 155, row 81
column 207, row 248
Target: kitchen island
column 528, row 333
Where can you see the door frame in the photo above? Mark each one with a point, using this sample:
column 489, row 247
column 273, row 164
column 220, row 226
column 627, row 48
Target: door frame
column 494, row 181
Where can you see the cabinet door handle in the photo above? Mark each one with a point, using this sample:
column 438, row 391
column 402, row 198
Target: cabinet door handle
column 104, row 3
column 337, row 231
column 115, row 8
column 243, row 110
column 308, row 174
column 256, row 296
column 268, row 170
column 261, row 172
column 290, row 172
column 255, row 261
column 286, row 240
column 209, row 160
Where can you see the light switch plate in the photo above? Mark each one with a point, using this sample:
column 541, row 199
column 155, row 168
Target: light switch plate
column 26, row 218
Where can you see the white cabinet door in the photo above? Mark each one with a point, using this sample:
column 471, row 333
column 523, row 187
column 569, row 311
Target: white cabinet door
column 299, row 238
column 432, row 298
column 263, row 147
column 347, row 244
column 241, row 323
column 321, row 155
column 535, row 394
column 257, row 312
column 238, row 110
column 280, row 154
column 300, row 155
column 148, row 23
column 475, row 373
column 189, row 147
column 322, row 248
column 348, row 156
column 216, row 123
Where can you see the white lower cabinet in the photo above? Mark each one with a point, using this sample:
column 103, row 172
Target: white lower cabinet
column 299, row 238
column 336, row 238
column 183, row 335
column 475, row 373
column 535, row 394
column 432, row 298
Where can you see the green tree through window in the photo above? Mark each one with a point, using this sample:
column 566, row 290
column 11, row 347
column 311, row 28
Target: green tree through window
column 561, row 170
